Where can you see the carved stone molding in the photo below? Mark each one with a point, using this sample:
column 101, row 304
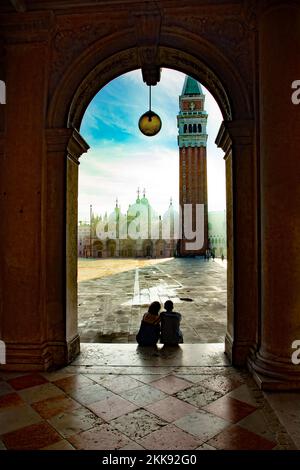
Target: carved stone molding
column 66, row 140
column 147, row 26
column 27, row 27
column 102, row 74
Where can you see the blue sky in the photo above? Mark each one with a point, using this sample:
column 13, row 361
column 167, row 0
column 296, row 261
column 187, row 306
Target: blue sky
column 121, row 158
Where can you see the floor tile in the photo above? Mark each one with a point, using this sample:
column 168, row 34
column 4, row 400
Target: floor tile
column 202, row 424
column 26, row 381
column 60, row 445
column 198, row 395
column 17, row 417
column 230, row 409
column 138, row 424
column 243, row 393
column 102, row 437
column 5, row 388
column 169, row 438
column 90, row 394
column 132, row 446
column 171, row 384
column 73, row 382
column 54, row 406
column 9, row 400
column 143, row 395
column 117, row 383
column 170, row 408
column 206, row 447
column 31, row 437
column 147, row 378
column 112, row 407
column 57, row 374
column 190, row 377
column 74, row 422
column 257, row 423
column 40, row 392
column 222, row 383
column 237, row 438
column 2, row 446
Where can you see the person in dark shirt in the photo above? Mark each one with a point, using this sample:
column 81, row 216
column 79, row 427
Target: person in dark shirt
column 170, row 326
column 149, row 331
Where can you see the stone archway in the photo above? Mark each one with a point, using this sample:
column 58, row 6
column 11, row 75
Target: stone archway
column 235, row 137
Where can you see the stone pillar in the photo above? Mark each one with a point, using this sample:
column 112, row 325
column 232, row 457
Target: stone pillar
column 236, row 140
column 279, row 62
column 64, row 147
column 22, row 192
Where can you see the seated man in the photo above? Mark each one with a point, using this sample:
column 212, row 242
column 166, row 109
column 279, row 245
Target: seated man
column 170, row 321
column 149, row 331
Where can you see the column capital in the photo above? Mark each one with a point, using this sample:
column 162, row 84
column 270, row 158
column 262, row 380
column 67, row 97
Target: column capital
column 238, row 132
column 66, row 140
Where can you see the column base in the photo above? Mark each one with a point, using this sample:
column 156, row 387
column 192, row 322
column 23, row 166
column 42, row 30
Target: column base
column 238, row 351
column 272, row 375
column 40, row 357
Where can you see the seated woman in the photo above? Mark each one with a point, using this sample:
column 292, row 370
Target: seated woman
column 149, row 331
column 170, row 330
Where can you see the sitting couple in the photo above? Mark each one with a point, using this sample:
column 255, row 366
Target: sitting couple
column 164, row 326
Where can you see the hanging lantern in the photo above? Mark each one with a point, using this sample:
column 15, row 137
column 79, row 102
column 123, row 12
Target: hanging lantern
column 150, row 122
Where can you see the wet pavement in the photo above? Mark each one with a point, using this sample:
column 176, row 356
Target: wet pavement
column 110, row 308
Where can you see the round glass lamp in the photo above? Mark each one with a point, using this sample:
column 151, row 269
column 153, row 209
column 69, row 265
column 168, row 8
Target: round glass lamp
column 150, row 122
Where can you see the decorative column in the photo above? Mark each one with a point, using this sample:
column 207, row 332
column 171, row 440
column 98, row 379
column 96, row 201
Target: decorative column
column 279, row 63
column 236, row 140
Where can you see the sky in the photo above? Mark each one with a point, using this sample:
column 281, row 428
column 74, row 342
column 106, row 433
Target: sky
column 121, row 158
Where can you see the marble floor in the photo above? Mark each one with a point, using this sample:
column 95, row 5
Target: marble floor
column 110, row 308
column 119, row 396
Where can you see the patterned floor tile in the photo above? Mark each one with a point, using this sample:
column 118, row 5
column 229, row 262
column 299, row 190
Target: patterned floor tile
column 60, row 445
column 54, row 406
column 243, row 393
column 40, row 392
column 138, row 424
column 257, row 423
column 90, row 394
column 198, row 395
column 112, row 407
column 27, row 381
column 230, row 409
column 222, row 383
column 117, row 384
column 237, row 438
column 73, row 382
column 171, row 384
column 170, row 409
column 74, row 422
column 102, row 437
column 17, row 417
column 11, row 399
column 190, row 377
column 202, row 424
column 31, row 437
column 132, row 446
column 143, row 395
column 147, row 378
column 206, row 447
column 5, row 388
column 169, row 438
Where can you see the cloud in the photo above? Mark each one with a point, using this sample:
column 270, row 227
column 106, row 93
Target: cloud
column 122, row 159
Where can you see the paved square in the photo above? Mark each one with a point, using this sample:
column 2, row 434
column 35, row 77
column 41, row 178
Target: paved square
column 111, row 307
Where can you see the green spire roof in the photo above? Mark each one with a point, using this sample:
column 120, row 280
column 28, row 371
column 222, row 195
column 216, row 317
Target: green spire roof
column 191, row 87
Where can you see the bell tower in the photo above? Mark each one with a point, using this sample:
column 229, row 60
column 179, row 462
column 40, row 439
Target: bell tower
column 192, row 139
